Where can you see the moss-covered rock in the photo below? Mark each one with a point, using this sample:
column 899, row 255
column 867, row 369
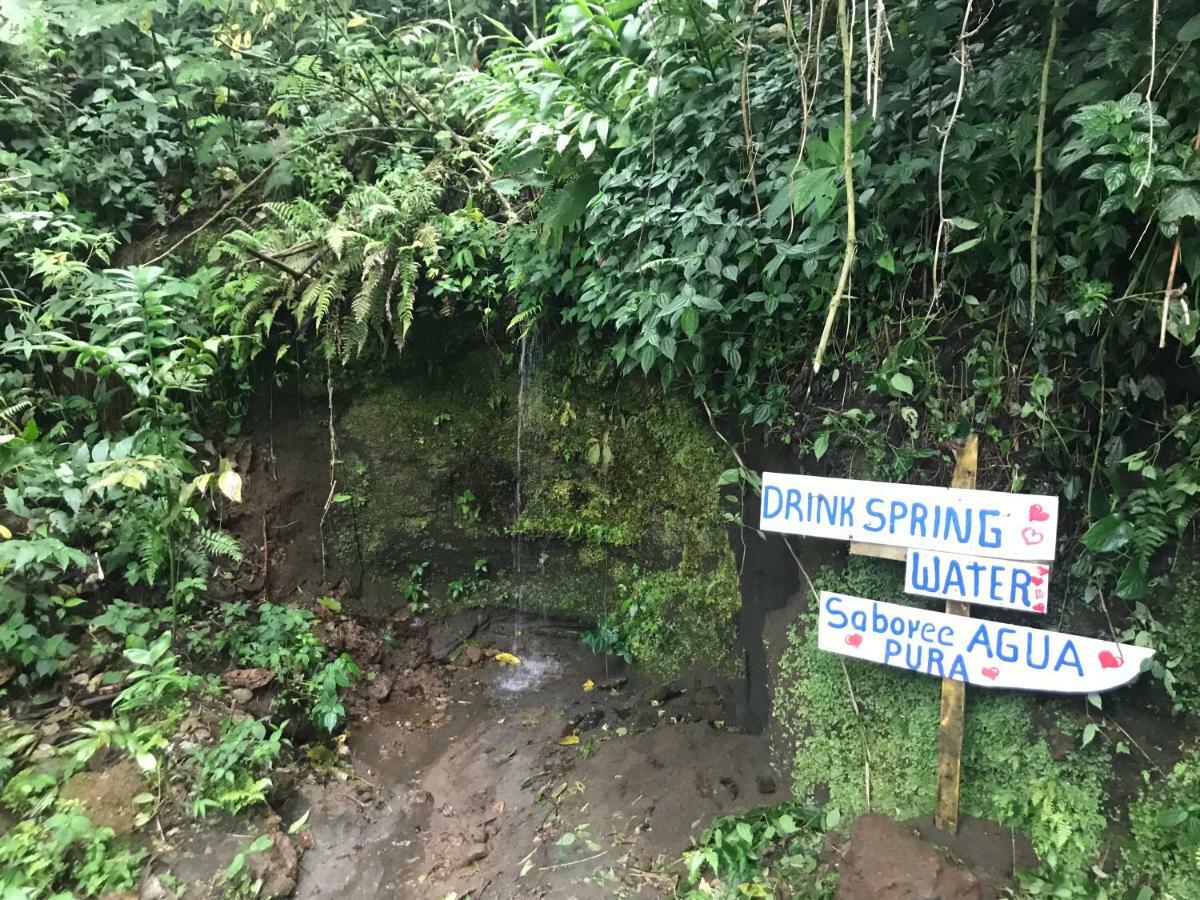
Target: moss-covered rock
column 618, row 495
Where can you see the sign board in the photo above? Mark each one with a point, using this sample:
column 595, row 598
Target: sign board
column 1019, row 586
column 974, row 651
column 981, row 523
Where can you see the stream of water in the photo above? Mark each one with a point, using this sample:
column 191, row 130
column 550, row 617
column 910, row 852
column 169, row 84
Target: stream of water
column 533, row 668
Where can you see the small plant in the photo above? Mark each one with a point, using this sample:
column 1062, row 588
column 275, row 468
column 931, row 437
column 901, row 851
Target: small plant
column 239, row 884
column 282, row 640
column 467, row 510
column 231, row 774
column 65, row 855
column 414, row 591
column 757, row 851
column 157, row 685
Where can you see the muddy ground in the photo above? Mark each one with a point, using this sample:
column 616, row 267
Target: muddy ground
column 556, row 777
column 460, row 774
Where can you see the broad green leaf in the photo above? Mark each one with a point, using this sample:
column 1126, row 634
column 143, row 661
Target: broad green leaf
column 901, row 383
column 1108, row 534
column 1133, row 581
column 1190, row 30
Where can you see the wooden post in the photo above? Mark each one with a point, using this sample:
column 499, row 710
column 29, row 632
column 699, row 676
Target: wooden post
column 954, row 693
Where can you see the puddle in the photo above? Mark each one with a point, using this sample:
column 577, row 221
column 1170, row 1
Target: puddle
column 533, row 672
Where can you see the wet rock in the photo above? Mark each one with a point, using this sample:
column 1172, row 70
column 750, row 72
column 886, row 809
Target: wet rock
column 277, row 866
column 766, row 784
column 611, row 684
column 416, row 802
column 473, row 853
column 152, row 889
column 380, row 688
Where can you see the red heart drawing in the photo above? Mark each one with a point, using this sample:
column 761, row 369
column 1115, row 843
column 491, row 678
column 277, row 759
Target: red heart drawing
column 854, row 639
column 1032, row 536
column 1036, row 580
column 1043, row 570
column 1039, row 607
column 1037, row 514
column 1109, row 661
column 991, row 672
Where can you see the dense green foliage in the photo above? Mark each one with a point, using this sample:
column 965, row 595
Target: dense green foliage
column 989, row 212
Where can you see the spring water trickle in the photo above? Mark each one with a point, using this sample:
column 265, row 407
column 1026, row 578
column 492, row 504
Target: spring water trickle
column 533, row 668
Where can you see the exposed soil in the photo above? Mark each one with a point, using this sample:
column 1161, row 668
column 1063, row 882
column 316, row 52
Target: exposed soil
column 884, row 858
column 480, row 788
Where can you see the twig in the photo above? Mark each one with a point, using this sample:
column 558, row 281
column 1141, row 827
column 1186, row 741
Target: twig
column 573, row 863
column 732, row 449
column 848, row 176
column 266, row 565
column 332, row 463
column 271, row 260
column 1037, row 164
column 1166, row 300
column 862, row 731
column 251, row 183
column 744, row 91
column 1150, row 97
column 958, row 95
column 1121, row 728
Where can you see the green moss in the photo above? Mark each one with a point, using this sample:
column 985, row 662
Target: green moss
column 1008, row 773
column 614, row 478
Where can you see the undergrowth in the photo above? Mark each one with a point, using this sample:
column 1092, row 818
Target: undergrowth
column 1008, row 772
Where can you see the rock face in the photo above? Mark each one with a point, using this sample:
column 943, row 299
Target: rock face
column 618, row 486
column 885, row 859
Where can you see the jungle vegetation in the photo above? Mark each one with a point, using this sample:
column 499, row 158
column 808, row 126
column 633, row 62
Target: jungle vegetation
column 860, row 230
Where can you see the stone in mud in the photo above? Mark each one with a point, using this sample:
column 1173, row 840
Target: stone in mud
column 277, row 866
column 417, row 802
column 473, row 853
column 380, row 688
column 472, row 654
column 766, row 784
column 241, row 695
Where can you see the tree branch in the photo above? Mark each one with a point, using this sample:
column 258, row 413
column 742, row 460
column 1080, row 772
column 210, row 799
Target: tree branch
column 848, row 176
column 1037, row 164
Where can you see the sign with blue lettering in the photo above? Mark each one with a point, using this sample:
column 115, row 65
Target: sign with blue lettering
column 1020, row 586
column 980, row 523
column 974, row 651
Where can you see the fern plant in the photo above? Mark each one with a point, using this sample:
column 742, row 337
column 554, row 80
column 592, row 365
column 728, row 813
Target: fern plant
column 342, row 277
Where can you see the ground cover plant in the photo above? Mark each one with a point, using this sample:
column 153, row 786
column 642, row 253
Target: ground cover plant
column 853, row 232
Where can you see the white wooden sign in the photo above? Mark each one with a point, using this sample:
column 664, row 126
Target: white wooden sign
column 1020, row 586
column 981, row 523
column 975, row 651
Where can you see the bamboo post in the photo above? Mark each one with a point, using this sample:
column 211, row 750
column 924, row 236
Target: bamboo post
column 954, row 693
